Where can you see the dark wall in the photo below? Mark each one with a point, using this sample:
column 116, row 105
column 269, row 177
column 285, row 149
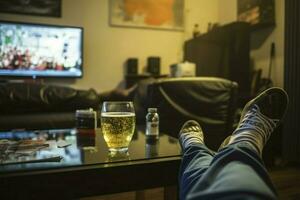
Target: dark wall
column 223, row 52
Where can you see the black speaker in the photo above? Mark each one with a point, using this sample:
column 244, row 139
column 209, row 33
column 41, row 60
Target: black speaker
column 132, row 66
column 153, row 65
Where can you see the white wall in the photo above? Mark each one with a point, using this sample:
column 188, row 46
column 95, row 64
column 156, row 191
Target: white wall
column 200, row 12
column 227, row 11
column 260, row 55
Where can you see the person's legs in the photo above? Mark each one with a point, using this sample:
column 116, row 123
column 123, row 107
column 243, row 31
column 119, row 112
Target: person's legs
column 196, row 156
column 237, row 171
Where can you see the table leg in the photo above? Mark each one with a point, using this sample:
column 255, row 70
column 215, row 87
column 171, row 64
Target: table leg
column 140, row 195
column 170, row 192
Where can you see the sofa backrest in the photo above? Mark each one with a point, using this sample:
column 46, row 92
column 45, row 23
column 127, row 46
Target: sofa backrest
column 22, row 98
column 210, row 101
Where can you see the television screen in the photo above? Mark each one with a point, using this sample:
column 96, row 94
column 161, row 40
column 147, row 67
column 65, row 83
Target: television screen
column 40, row 50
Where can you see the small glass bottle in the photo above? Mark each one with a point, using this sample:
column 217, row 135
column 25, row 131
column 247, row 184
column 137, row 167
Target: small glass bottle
column 152, row 124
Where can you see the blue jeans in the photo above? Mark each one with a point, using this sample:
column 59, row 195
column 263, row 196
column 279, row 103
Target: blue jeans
column 235, row 172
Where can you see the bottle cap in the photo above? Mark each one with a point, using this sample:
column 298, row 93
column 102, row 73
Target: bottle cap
column 152, row 110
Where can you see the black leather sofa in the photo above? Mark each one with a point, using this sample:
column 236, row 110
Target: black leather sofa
column 44, row 106
column 210, row 101
column 36, row 106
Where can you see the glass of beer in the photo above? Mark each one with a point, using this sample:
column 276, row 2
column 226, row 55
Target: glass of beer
column 117, row 124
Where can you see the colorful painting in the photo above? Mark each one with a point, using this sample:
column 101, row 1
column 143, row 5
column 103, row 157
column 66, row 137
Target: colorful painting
column 50, row 8
column 161, row 14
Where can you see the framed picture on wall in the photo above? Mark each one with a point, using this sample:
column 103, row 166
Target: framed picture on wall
column 158, row 14
column 50, row 8
column 259, row 13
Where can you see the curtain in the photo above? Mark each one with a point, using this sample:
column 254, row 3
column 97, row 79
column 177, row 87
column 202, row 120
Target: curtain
column 291, row 130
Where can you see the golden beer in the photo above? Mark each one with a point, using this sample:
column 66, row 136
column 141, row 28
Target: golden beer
column 117, row 129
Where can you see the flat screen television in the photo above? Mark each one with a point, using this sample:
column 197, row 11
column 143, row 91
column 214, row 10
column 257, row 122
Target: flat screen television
column 40, row 50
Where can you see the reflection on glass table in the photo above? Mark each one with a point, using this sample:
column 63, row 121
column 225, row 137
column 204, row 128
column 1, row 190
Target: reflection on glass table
column 76, row 147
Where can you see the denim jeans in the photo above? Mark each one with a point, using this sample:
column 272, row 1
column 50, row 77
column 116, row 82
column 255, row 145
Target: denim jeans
column 235, row 172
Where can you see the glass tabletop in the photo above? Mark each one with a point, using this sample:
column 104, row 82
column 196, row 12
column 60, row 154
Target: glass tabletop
column 76, row 147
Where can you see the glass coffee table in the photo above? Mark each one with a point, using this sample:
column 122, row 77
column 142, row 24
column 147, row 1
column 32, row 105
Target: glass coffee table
column 72, row 163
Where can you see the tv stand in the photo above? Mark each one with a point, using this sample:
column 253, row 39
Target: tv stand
column 37, row 81
column 34, row 80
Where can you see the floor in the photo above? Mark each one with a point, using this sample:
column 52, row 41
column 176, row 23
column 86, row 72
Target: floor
column 151, row 194
column 286, row 180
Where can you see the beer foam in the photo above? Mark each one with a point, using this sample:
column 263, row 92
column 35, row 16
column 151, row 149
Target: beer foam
column 117, row 114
